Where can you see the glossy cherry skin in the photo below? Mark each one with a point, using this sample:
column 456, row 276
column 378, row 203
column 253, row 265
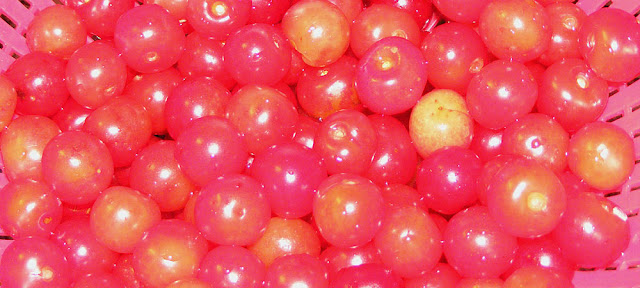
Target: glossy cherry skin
column 39, row 82
column 566, row 20
column 515, row 29
column 476, row 246
column 189, row 283
column 447, row 179
column 542, row 252
column 263, row 115
column 291, row 271
column 538, row 137
column 572, row 93
column 513, row 94
column 420, row 10
column 323, row 91
column 22, row 144
column 170, row 251
column 607, row 40
column 401, row 195
column 28, row 209
column 156, row 172
column 454, row 52
column 268, row 11
column 533, row 276
column 192, row 99
column 204, row 56
column 232, row 266
column 297, row 67
column 232, row 210
column 348, row 210
column 100, row 16
column 440, row 119
column 573, row 184
column 123, row 125
column 602, row 155
column 480, row 283
column 490, row 169
column 486, row 143
column 441, row 276
column 381, row 21
column 77, row 166
column 121, row 216
column 286, row 237
column 123, row 270
column 391, row 76
column 152, row 91
column 337, row 258
column 71, row 116
column 526, row 199
column 97, row 280
column 217, row 18
column 306, row 129
column 409, row 242
column 258, row 54
column 57, row 30
column 366, row 275
column 290, row 173
column 177, row 8
column 34, row 262
column 210, row 147
column 9, row 97
column 395, row 158
column 593, row 232
column 463, row 11
column 141, row 36
column 346, row 141
column 81, row 248
column 318, row 30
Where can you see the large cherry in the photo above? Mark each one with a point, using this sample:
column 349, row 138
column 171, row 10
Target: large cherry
column 57, row 30
column 232, row 267
column 218, row 18
column 395, row 159
column 203, row 56
column 286, row 237
column 29, row 209
column 34, row 262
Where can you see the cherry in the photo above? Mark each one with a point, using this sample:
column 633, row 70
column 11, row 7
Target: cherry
column 515, row 29
column 232, row 210
column 366, row 275
column 177, row 8
column 480, row 283
column 204, row 56
column 123, row 125
column 232, row 266
column 257, row 54
column 156, row 172
column 511, row 95
column 464, row 11
column 121, row 216
column 82, row 250
column 100, row 16
column 29, row 209
column 476, row 246
column 306, row 129
column 9, row 97
column 438, row 120
column 533, row 276
column 593, row 231
column 420, row 10
column 350, row 8
column 486, row 143
column 290, row 174
column 264, row 116
column 346, row 141
column 22, row 144
column 57, row 30
column 391, row 76
column 141, row 36
column 286, row 237
column 572, row 93
column 409, row 242
column 152, row 91
column 602, row 155
column 323, row 91
column 297, row 68
column 77, row 166
column 542, row 252
column 268, row 11
column 96, row 280
column 400, row 195
column 538, row 137
column 192, row 99
column 71, row 116
column 566, row 20
column 189, row 283
column 297, row 270
column 441, row 276
column 39, row 82
column 380, row 21
column 318, row 30
column 123, row 271
column 337, row 258
column 395, row 158
column 34, row 262
column 218, row 18
column 171, row 250
column 606, row 40
column 490, row 169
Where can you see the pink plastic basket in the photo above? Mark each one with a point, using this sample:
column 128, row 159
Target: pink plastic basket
column 623, row 110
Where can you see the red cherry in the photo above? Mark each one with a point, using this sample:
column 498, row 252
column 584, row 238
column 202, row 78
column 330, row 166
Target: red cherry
column 232, row 266
column 203, row 56
column 34, row 262
column 29, row 209
column 300, row 269
column 218, row 18
column 337, row 258
column 100, row 16
column 57, row 30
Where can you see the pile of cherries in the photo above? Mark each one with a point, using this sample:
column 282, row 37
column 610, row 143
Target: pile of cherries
column 314, row 143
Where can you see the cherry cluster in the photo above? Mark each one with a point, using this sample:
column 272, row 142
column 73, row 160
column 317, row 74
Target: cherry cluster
column 314, row 144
